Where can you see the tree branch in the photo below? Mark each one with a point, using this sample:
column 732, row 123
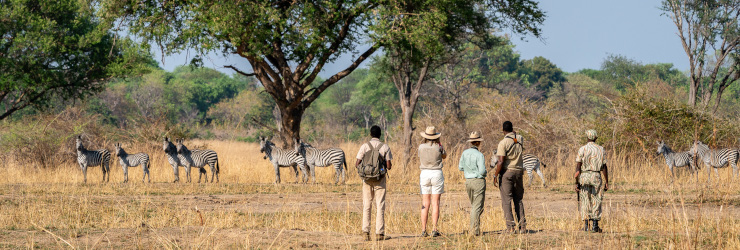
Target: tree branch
column 314, row 93
column 239, row 71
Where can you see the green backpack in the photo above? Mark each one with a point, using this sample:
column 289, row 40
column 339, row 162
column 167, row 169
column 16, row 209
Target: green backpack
column 373, row 166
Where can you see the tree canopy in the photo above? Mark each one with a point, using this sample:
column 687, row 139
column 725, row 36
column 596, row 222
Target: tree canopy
column 58, row 50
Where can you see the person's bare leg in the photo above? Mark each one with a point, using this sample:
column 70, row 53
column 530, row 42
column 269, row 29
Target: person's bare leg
column 435, row 210
column 425, row 200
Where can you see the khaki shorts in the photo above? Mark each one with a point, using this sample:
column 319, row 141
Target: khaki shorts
column 432, row 181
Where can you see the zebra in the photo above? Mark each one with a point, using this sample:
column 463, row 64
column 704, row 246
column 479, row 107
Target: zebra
column 282, row 158
column 676, row 159
column 91, row 158
column 529, row 162
column 199, row 159
column 321, row 158
column 716, row 158
column 172, row 157
column 133, row 160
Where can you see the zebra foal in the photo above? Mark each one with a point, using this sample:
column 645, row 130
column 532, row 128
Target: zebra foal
column 715, row 158
column 199, row 159
column 282, row 158
column 132, row 160
column 321, row 158
column 530, row 163
column 676, row 159
column 91, row 158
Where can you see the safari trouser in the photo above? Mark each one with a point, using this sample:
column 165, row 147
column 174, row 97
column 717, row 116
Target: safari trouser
column 590, row 194
column 476, row 189
column 373, row 190
column 512, row 189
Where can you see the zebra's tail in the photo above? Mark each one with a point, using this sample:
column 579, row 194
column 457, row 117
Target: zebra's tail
column 217, row 168
column 543, row 164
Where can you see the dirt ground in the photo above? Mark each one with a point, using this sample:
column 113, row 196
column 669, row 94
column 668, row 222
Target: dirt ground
column 545, row 208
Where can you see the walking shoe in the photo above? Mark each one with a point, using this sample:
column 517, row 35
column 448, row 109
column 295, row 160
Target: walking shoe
column 424, row 234
column 436, row 233
column 509, row 230
column 382, row 237
column 523, row 230
column 366, row 236
column 596, row 228
column 586, row 228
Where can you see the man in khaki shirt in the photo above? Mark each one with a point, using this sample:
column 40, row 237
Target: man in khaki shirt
column 508, row 173
column 374, row 190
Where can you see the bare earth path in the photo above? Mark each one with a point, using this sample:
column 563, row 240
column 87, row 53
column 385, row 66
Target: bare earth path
column 277, row 220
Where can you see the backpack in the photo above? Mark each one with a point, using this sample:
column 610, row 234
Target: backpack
column 373, row 166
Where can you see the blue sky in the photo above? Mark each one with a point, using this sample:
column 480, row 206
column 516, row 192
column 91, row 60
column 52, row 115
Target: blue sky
column 577, row 34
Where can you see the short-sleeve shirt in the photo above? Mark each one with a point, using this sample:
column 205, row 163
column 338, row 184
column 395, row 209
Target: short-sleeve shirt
column 430, row 156
column 385, row 150
column 511, row 151
column 592, row 156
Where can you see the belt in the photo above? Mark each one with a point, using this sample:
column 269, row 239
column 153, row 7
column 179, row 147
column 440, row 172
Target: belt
column 590, row 171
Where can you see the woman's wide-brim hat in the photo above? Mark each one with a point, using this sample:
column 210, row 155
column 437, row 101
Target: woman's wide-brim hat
column 475, row 136
column 431, row 133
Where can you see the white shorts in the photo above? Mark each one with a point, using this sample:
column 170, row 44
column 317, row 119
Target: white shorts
column 432, row 181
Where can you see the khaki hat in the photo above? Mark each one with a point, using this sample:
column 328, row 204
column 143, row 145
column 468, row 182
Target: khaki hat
column 591, row 134
column 431, row 133
column 474, row 136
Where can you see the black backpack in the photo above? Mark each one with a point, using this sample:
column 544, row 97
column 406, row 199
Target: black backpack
column 373, row 166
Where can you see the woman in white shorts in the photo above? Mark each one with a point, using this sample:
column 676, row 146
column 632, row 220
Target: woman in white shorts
column 431, row 179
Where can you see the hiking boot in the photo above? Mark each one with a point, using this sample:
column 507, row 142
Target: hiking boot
column 586, row 227
column 436, row 233
column 382, row 237
column 366, row 235
column 523, row 230
column 595, row 228
column 424, row 234
column 509, row 230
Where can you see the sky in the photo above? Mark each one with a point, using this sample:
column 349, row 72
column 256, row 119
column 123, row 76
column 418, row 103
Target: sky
column 576, row 34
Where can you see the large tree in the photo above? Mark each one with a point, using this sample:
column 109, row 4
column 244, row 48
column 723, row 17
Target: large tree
column 419, row 33
column 52, row 50
column 287, row 43
column 710, row 34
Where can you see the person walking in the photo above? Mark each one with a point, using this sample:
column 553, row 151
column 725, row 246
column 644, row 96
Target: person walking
column 508, row 174
column 431, row 178
column 590, row 167
column 373, row 162
column 473, row 165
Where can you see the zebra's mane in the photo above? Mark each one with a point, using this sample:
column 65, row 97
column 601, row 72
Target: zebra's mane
column 667, row 149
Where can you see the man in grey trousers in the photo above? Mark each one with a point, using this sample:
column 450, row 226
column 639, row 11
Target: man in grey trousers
column 472, row 163
column 508, row 173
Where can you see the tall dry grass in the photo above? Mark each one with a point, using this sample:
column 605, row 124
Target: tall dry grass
column 48, row 207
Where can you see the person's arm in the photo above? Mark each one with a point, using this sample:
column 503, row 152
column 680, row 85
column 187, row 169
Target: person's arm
column 460, row 163
column 358, row 162
column 497, row 172
column 578, row 173
column 444, row 153
column 481, row 165
column 388, row 164
column 605, row 172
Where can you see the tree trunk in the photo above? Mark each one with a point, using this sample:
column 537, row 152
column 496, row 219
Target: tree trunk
column 693, row 89
column 291, row 123
column 407, row 109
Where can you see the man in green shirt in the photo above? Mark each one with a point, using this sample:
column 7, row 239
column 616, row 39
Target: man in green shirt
column 472, row 163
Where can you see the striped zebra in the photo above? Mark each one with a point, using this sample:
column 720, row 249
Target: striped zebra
column 91, row 158
column 173, row 158
column 132, row 160
column 716, row 158
column 530, row 162
column 282, row 158
column 676, row 159
column 321, row 158
column 199, row 159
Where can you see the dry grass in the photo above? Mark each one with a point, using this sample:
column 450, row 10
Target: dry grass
column 52, row 208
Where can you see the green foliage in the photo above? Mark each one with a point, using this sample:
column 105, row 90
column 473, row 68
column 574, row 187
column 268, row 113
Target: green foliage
column 541, row 74
column 58, row 50
column 623, row 73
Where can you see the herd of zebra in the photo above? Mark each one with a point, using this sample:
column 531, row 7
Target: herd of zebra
column 712, row 158
column 306, row 158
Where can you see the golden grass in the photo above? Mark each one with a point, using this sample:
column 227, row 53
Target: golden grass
column 52, row 208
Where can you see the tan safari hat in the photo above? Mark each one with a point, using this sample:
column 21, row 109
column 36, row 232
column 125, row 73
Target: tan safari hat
column 474, row 136
column 431, row 133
